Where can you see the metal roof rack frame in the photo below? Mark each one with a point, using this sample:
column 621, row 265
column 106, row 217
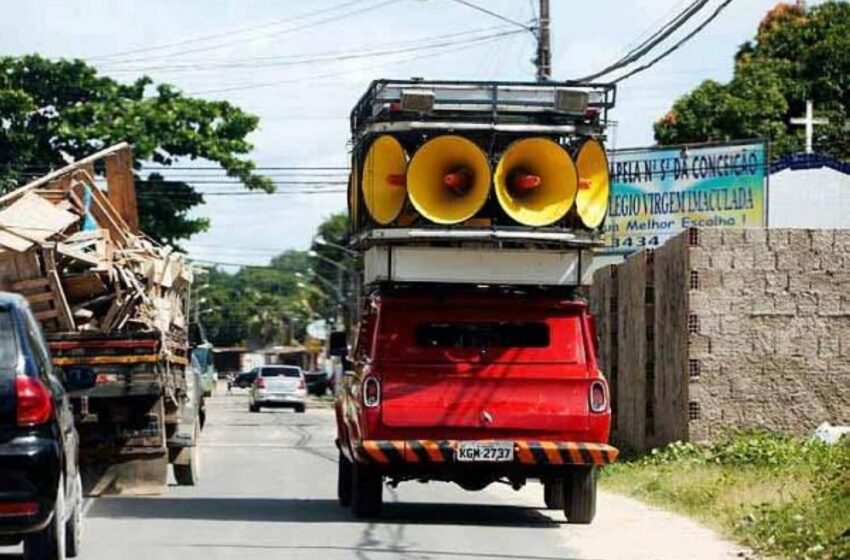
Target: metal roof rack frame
column 556, row 108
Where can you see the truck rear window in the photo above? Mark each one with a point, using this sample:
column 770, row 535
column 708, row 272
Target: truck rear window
column 8, row 344
column 501, row 334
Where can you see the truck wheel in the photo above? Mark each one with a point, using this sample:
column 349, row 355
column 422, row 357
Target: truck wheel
column 254, row 407
column 190, row 474
column 49, row 543
column 553, row 494
column 367, row 487
column 580, row 496
column 74, row 526
column 343, row 481
column 301, row 408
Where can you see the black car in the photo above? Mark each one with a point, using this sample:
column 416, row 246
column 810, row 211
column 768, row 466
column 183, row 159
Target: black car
column 245, row 379
column 41, row 492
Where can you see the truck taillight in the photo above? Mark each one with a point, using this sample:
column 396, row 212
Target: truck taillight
column 371, row 392
column 260, row 383
column 598, row 397
column 34, row 401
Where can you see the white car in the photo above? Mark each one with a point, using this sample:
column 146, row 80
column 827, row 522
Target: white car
column 278, row 386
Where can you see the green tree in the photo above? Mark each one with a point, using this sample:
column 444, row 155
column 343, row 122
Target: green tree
column 798, row 54
column 53, row 108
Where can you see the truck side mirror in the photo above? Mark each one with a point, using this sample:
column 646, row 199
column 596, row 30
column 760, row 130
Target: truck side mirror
column 338, row 344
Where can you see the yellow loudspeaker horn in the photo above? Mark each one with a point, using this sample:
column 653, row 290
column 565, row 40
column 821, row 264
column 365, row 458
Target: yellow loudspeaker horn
column 536, row 182
column 354, row 194
column 594, row 184
column 384, row 179
column 448, row 179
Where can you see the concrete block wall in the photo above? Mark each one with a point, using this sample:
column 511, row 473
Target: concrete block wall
column 751, row 329
column 771, row 310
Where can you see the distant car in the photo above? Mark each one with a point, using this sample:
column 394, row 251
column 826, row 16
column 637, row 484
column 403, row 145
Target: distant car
column 278, row 386
column 41, row 493
column 245, row 379
column 317, row 382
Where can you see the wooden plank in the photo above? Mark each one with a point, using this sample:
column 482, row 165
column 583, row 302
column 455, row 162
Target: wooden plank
column 101, row 360
column 43, row 297
column 103, row 212
column 47, row 314
column 31, row 284
column 35, row 219
column 66, row 318
column 122, row 187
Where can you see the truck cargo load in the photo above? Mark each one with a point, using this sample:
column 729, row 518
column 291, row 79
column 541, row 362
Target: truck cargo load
column 113, row 306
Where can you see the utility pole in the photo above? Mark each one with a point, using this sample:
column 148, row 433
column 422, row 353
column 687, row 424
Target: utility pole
column 544, row 47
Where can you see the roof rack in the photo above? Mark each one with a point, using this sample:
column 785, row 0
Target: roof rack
column 560, row 108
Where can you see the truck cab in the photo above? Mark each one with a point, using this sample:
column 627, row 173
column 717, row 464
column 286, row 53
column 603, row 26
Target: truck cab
column 472, row 386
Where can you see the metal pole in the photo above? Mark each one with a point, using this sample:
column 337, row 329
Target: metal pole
column 544, row 47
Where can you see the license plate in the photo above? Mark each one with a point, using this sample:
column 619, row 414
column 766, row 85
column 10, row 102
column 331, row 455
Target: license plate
column 485, row 451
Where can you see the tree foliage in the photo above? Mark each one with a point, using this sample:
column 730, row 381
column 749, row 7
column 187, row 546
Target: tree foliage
column 798, row 54
column 265, row 305
column 52, row 110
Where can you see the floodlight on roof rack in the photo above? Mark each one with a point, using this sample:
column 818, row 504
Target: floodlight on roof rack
column 420, row 100
column 571, row 101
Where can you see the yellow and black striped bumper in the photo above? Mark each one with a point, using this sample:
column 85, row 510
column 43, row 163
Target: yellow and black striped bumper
column 423, row 451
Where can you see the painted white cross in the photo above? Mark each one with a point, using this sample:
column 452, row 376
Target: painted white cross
column 809, row 121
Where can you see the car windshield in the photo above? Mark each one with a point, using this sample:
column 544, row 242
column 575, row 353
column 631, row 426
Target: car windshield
column 281, row 372
column 8, row 346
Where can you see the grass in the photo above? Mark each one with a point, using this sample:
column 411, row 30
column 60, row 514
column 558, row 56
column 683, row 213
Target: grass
column 782, row 496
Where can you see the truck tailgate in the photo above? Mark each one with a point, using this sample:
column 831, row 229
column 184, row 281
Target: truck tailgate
column 498, row 397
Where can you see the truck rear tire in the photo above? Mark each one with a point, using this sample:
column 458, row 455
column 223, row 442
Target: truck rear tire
column 301, row 408
column 343, row 481
column 580, row 496
column 553, row 494
column 190, row 474
column 254, row 407
column 367, row 488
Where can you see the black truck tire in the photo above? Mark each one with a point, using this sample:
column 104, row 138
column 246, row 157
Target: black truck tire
column 74, row 525
column 254, row 407
column 301, row 408
column 190, row 474
column 580, row 496
column 367, row 488
column 343, row 481
column 49, row 543
column 553, row 494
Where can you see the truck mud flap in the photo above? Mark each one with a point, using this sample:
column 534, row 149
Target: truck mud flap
column 144, row 474
column 390, row 452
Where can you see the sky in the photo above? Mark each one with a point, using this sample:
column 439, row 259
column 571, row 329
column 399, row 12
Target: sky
column 303, row 105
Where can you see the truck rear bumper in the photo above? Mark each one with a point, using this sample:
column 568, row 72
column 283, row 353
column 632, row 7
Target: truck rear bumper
column 526, row 453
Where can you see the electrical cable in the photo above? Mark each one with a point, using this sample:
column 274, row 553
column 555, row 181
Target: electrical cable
column 495, row 14
column 230, row 33
column 256, row 62
column 337, row 74
column 646, row 46
column 677, row 45
column 277, row 33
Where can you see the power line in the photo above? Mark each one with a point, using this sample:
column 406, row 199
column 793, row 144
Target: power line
column 495, row 15
column 337, row 74
column 678, row 44
column 303, row 27
column 654, row 40
column 230, row 33
column 263, row 61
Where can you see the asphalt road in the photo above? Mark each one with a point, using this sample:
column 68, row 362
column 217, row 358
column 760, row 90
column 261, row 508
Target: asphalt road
column 268, row 490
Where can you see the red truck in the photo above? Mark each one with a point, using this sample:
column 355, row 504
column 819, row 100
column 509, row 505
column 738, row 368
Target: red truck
column 472, row 387
column 475, row 207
